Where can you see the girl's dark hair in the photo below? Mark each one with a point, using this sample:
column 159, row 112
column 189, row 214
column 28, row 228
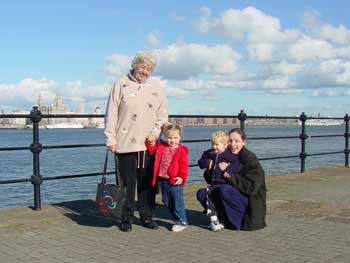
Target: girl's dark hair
column 240, row 132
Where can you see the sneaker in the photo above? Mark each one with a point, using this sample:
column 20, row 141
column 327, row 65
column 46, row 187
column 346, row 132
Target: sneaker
column 178, row 228
column 215, row 226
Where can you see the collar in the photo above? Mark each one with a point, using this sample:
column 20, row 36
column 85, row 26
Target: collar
column 132, row 78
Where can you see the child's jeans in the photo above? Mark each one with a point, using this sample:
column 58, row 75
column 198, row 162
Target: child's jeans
column 172, row 197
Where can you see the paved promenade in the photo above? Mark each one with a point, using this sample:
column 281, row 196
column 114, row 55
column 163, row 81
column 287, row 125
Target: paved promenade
column 308, row 221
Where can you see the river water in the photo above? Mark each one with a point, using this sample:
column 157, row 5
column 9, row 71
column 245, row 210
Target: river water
column 54, row 162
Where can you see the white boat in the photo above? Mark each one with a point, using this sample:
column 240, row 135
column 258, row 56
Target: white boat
column 100, row 125
column 66, row 125
column 322, row 122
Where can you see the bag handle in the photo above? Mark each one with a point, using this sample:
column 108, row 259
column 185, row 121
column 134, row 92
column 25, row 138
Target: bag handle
column 119, row 182
column 116, row 164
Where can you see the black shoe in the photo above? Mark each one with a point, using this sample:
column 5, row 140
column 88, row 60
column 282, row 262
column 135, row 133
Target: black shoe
column 125, row 226
column 149, row 224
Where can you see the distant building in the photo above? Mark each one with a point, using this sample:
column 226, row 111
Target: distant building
column 205, row 121
column 15, row 122
column 98, row 121
column 57, row 107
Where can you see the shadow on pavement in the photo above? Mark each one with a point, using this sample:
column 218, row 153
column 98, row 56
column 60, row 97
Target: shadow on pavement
column 84, row 212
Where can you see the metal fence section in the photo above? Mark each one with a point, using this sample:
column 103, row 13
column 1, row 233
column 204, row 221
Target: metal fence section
column 36, row 116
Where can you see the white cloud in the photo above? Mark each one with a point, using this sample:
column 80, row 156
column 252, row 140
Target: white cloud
column 338, row 70
column 267, row 43
column 327, row 74
column 26, row 92
column 285, row 68
column 307, row 48
column 117, row 65
column 330, row 93
column 153, row 40
column 182, row 61
column 282, row 60
column 235, row 23
column 319, row 29
column 203, row 24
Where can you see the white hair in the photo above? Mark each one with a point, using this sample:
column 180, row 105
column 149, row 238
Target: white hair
column 144, row 56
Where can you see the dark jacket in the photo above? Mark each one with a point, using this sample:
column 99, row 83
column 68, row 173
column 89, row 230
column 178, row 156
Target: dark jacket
column 250, row 181
column 214, row 175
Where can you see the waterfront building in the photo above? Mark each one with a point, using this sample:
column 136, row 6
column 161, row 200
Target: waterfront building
column 99, row 122
column 205, row 121
column 15, row 123
column 58, row 107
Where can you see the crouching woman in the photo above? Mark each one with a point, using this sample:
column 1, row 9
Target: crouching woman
column 242, row 202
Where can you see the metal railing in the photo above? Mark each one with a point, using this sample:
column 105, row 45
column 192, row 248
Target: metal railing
column 36, row 147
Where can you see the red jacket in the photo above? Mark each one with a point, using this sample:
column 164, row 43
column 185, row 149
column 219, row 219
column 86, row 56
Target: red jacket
column 178, row 165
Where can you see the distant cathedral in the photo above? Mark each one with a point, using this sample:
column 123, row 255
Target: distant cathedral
column 57, row 107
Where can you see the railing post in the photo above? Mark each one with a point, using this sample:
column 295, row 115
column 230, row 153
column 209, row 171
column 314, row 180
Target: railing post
column 346, row 135
column 242, row 117
column 303, row 137
column 36, row 147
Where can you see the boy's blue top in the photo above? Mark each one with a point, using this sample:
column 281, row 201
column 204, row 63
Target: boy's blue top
column 215, row 175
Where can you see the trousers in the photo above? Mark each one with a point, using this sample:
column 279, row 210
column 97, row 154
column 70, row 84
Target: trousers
column 136, row 169
column 229, row 203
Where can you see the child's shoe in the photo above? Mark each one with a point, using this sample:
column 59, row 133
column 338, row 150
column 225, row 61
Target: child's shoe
column 179, row 227
column 215, row 225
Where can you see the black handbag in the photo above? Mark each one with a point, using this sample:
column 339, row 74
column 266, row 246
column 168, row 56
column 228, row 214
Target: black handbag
column 110, row 198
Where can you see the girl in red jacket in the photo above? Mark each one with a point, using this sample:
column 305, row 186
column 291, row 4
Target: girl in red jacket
column 171, row 169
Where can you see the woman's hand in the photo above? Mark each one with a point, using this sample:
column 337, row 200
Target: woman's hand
column 112, row 148
column 226, row 175
column 223, row 166
column 179, row 180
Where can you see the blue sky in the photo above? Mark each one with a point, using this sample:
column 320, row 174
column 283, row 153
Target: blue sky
column 215, row 57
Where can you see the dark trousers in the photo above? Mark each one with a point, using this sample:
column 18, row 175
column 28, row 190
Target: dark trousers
column 229, row 202
column 132, row 175
column 210, row 206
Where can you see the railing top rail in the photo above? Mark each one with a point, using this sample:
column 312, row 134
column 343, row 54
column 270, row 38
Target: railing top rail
column 10, row 116
column 85, row 115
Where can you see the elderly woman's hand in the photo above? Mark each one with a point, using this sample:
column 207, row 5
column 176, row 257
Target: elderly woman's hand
column 112, row 148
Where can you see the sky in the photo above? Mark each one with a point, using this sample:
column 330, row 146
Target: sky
column 277, row 58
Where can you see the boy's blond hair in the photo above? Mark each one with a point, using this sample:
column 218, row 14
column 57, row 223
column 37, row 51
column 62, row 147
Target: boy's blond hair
column 171, row 127
column 220, row 137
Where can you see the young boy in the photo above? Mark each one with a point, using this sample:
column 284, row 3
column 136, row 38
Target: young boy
column 214, row 173
column 171, row 169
